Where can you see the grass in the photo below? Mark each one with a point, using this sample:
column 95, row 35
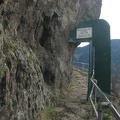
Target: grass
column 70, row 88
column 107, row 114
column 83, row 73
column 46, row 114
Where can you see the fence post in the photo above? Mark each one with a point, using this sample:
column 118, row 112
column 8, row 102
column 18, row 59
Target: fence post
column 101, row 106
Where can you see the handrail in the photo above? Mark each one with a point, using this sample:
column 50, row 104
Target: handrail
column 102, row 105
column 92, row 103
column 92, row 97
column 99, row 90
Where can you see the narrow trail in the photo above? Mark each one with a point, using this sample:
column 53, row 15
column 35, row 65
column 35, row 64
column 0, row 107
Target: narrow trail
column 76, row 106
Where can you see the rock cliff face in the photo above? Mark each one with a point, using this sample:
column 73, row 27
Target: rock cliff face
column 35, row 56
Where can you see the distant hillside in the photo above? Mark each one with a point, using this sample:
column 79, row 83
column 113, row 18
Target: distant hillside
column 82, row 53
column 115, row 53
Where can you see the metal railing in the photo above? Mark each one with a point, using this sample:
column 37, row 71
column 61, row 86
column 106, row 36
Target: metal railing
column 84, row 67
column 101, row 105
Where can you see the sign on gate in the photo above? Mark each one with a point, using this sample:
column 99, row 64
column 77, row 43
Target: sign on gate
column 84, row 33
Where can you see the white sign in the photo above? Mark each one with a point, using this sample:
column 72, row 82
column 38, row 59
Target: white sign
column 84, row 33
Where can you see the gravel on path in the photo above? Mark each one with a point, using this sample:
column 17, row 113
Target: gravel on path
column 76, row 106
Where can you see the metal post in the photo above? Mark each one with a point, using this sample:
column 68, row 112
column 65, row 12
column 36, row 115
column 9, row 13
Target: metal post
column 90, row 67
column 95, row 90
column 100, row 114
column 91, row 59
column 101, row 106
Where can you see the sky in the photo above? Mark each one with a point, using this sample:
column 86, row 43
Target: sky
column 110, row 12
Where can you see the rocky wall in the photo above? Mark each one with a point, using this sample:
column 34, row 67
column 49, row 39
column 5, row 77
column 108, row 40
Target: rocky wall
column 35, row 55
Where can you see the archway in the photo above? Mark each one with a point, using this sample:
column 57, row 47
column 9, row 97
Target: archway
column 97, row 32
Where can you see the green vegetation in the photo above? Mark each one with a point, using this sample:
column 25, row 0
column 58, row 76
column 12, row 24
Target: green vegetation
column 107, row 114
column 1, row 71
column 83, row 73
column 70, row 88
column 63, row 94
column 46, row 114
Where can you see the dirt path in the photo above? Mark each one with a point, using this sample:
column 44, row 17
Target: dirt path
column 76, row 106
